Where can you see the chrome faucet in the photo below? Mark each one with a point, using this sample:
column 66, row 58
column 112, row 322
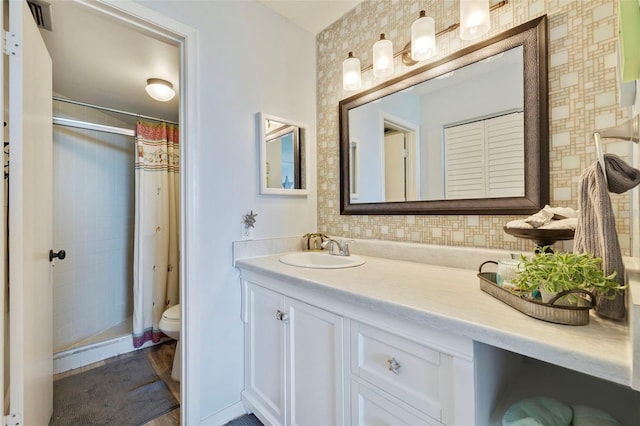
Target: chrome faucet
column 343, row 249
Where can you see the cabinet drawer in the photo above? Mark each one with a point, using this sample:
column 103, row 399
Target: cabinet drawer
column 413, row 373
column 370, row 408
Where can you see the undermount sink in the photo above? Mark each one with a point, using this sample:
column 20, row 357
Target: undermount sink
column 320, row 260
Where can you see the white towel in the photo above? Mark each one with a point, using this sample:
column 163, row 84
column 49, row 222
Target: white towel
column 569, row 223
column 519, row 224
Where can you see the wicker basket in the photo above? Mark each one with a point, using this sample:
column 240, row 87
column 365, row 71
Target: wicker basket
column 568, row 315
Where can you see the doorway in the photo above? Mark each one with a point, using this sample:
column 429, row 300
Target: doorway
column 93, row 177
column 401, row 172
column 178, row 34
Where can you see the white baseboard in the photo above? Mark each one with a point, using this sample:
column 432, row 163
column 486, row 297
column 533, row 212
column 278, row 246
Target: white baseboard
column 225, row 415
column 85, row 355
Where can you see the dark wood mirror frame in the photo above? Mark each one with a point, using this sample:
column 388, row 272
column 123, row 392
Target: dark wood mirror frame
column 533, row 37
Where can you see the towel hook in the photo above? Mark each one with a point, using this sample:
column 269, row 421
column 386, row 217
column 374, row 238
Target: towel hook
column 630, row 129
column 600, row 155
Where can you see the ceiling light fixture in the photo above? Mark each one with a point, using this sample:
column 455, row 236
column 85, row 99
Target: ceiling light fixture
column 474, row 23
column 160, row 90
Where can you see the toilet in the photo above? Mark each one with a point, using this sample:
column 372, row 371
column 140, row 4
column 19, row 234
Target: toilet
column 170, row 325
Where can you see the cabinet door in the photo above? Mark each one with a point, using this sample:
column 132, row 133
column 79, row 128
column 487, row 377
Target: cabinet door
column 316, row 366
column 265, row 343
column 369, row 408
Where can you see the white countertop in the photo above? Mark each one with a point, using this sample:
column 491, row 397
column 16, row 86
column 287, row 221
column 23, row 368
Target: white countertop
column 450, row 299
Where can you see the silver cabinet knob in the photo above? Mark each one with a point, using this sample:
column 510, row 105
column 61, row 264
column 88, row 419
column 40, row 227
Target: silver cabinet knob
column 394, row 365
column 281, row 316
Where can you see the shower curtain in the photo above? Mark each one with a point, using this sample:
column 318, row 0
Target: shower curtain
column 156, row 264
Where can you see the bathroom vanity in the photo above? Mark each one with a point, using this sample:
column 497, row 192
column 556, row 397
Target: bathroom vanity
column 405, row 342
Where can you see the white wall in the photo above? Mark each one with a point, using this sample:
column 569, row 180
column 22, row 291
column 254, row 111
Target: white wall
column 250, row 59
column 93, row 222
column 365, row 125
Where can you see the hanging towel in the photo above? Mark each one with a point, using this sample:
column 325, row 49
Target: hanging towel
column 596, row 228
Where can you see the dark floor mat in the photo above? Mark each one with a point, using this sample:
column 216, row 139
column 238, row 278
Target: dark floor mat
column 123, row 392
column 246, row 420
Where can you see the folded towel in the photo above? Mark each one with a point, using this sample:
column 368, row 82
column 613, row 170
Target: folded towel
column 537, row 411
column 518, row 223
column 569, row 223
column 540, row 218
column 588, row 416
column 561, row 212
column 596, row 228
column 547, row 218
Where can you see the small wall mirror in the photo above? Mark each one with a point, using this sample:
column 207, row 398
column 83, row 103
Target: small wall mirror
column 467, row 134
column 283, row 156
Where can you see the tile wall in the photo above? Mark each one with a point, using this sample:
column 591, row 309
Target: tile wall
column 582, row 97
column 93, row 195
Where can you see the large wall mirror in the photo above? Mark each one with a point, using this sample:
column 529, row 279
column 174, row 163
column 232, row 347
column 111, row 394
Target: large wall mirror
column 465, row 135
column 283, row 156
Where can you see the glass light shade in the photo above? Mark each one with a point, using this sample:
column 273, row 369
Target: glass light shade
column 382, row 57
column 351, row 77
column 423, row 37
column 160, row 90
column 474, row 19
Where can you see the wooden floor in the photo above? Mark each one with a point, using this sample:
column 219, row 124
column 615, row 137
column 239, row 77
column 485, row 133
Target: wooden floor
column 161, row 359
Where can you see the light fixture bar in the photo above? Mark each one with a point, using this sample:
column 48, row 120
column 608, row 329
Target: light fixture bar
column 406, row 51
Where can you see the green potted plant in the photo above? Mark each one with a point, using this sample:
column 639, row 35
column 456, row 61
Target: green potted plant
column 555, row 272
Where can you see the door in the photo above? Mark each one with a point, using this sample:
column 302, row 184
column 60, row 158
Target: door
column 265, row 343
column 316, row 367
column 30, row 286
column 394, row 167
column 400, row 168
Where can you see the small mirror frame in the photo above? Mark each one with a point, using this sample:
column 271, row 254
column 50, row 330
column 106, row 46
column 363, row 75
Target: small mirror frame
column 303, row 150
column 533, row 37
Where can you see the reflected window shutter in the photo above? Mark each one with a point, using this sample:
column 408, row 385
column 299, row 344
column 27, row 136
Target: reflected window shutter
column 505, row 147
column 485, row 158
column 464, row 147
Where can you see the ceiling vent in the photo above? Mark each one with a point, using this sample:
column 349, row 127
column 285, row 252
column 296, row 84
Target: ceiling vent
column 41, row 12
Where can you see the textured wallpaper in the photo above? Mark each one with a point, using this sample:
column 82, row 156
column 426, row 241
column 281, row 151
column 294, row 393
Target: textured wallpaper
column 583, row 97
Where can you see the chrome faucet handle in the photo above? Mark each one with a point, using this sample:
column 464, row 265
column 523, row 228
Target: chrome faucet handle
column 344, row 251
column 331, row 244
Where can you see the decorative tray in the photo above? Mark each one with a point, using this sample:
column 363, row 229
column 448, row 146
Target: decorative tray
column 542, row 237
column 568, row 315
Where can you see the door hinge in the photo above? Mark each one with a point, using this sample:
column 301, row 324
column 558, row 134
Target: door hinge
column 13, row 420
column 10, row 44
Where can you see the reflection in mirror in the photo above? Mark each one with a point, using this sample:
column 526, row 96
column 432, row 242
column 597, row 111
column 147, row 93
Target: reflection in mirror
column 467, row 134
column 282, row 156
column 431, row 148
column 283, row 164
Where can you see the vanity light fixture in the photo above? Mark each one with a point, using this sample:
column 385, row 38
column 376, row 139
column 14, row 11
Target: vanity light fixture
column 351, row 76
column 382, row 58
column 474, row 19
column 474, row 23
column 423, row 37
column 160, row 90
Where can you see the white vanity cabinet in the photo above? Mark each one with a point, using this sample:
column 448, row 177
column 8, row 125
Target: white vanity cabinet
column 315, row 359
column 294, row 368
